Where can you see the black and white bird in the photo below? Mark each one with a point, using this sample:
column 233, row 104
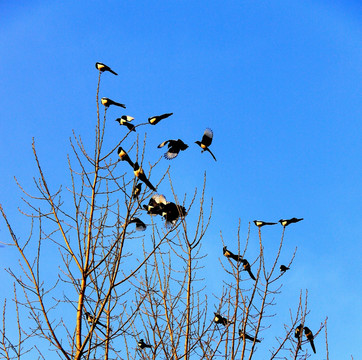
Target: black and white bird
column 247, row 337
column 142, row 345
column 138, row 171
column 90, row 319
column 289, row 221
column 298, row 335
column 206, row 142
column 308, row 333
column 125, row 121
column 218, row 319
column 103, row 67
column 140, row 225
column 247, row 268
column 156, row 205
column 231, row 255
column 108, row 102
column 283, row 268
column 124, row 156
column 171, row 213
column 153, row 120
column 174, row 147
column 137, row 190
column 260, row 223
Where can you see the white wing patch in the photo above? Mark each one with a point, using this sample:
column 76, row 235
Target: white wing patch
column 208, row 132
column 170, row 155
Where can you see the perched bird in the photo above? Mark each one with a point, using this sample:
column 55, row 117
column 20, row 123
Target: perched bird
column 290, row 221
column 137, row 190
column 153, row 120
column 298, row 335
column 218, row 319
column 141, row 344
column 171, row 212
column 229, row 254
column 156, row 205
column 247, row 268
column 90, row 319
column 283, row 268
column 260, row 223
column 102, row 67
column 206, row 142
column 107, row 102
column 124, row 156
column 247, row 337
column 174, row 147
column 138, row 171
column 310, row 337
column 124, row 120
column 140, row 225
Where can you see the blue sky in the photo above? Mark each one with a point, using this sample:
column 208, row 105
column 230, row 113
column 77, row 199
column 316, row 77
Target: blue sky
column 279, row 84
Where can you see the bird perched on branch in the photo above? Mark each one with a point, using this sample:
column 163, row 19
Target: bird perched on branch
column 102, row 67
column 218, row 319
column 138, row 171
column 153, row 120
column 247, row 268
column 260, row 223
column 142, row 345
column 140, row 225
column 298, row 335
column 137, row 190
column 248, row 337
column 310, row 337
column 174, row 147
column 206, row 142
column 124, row 120
column 124, row 156
column 90, row 319
column 283, row 268
column 289, row 221
column 229, row 254
column 108, row 102
column 171, row 212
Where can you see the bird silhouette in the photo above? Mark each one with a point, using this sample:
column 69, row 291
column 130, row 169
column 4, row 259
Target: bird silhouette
column 218, row 319
column 153, row 120
column 289, row 221
column 229, row 254
column 90, row 319
column 140, row 225
column 142, row 345
column 206, row 142
column 171, row 212
column 310, row 337
column 283, row 268
column 174, row 147
column 247, row 268
column 108, row 102
column 124, row 156
column 125, row 121
column 260, row 223
column 137, row 190
column 298, row 335
column 102, row 67
column 247, row 337
column 156, row 205
column 138, row 171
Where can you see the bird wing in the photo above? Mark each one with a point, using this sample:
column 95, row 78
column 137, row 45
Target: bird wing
column 207, row 137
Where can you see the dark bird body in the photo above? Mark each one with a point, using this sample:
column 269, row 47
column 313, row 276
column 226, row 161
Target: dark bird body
column 298, row 335
column 103, row 67
column 174, row 147
column 260, row 223
column 289, row 221
column 247, row 268
column 283, row 268
column 90, row 319
column 310, row 337
column 108, row 102
column 206, row 142
column 137, row 190
column 124, row 120
column 140, row 225
column 153, row 120
column 156, row 205
column 138, row 171
column 142, row 345
column 124, row 156
column 248, row 337
column 231, row 255
column 171, row 212
column 218, row 319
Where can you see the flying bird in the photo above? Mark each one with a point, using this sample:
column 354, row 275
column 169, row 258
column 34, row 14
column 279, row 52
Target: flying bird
column 283, row 268
column 260, row 223
column 248, row 337
column 90, row 319
column 138, row 171
column 124, row 120
column 156, row 205
column 229, row 254
column 206, row 142
column 102, row 67
column 298, row 335
column 310, row 337
column 153, row 120
column 174, row 147
column 107, row 102
column 218, row 319
column 247, row 268
column 142, row 345
column 124, row 156
column 140, row 225
column 171, row 212
column 137, row 190
column 289, row 221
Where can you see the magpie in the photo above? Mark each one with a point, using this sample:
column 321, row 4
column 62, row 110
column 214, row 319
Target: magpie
column 124, row 120
column 171, row 212
column 206, row 142
column 141, row 344
column 138, row 171
column 260, row 223
column 137, row 190
column 107, row 102
column 310, row 337
column 140, row 225
column 174, row 147
column 298, row 335
column 229, row 254
column 247, row 268
column 283, row 268
column 248, row 337
column 156, row 205
column 124, row 156
column 218, row 319
column 103, row 67
column 289, row 221
column 153, row 120
column 90, row 319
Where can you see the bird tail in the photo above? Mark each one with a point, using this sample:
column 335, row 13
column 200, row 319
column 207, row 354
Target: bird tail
column 312, row 345
column 148, row 183
column 130, row 127
column 113, row 72
column 207, row 149
column 119, row 104
column 128, row 159
column 251, row 274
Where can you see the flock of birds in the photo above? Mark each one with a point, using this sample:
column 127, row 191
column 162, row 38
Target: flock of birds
column 158, row 205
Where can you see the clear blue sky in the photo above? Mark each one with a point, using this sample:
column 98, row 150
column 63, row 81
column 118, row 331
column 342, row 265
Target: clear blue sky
column 278, row 82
